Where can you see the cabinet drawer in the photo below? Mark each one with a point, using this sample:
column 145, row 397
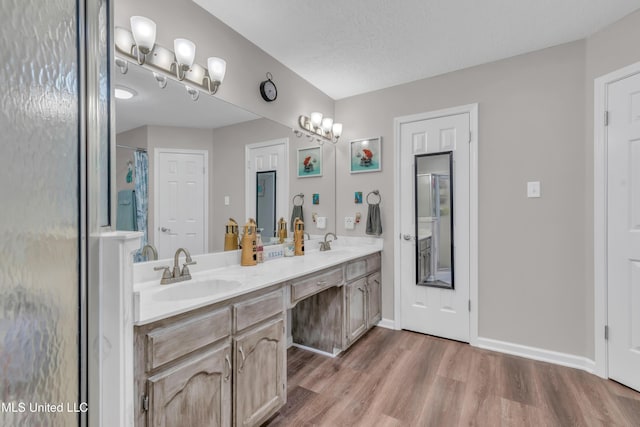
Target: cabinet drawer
column 171, row 342
column 253, row 311
column 315, row 283
column 373, row 263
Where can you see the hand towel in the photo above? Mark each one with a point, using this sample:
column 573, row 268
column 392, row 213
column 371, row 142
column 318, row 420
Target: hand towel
column 297, row 213
column 126, row 213
column 374, row 224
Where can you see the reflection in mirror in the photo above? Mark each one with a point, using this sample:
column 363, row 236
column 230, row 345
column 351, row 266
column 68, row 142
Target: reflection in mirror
column 434, row 224
column 154, row 120
column 266, row 203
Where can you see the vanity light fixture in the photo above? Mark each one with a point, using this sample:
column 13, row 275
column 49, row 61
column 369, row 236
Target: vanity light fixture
column 139, row 45
column 193, row 92
column 144, row 35
column 319, row 128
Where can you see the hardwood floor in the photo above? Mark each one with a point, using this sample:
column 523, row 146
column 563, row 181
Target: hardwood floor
column 401, row 378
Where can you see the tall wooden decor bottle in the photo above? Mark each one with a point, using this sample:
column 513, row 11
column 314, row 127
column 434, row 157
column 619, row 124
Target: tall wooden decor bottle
column 282, row 230
column 231, row 236
column 298, row 237
column 248, row 256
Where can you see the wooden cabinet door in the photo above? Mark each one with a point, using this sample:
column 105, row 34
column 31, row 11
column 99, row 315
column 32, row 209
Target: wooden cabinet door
column 374, row 299
column 194, row 393
column 259, row 374
column 356, row 309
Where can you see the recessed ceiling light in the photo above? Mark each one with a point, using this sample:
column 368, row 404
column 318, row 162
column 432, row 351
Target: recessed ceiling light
column 124, row 93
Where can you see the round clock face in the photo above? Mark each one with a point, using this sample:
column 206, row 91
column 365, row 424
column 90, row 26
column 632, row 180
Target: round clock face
column 268, row 90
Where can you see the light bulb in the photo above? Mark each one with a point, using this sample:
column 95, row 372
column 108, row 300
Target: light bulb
column 316, row 119
column 144, row 33
column 217, row 68
column 327, row 123
column 185, row 51
column 337, row 130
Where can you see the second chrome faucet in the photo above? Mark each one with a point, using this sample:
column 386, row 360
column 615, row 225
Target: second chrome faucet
column 177, row 275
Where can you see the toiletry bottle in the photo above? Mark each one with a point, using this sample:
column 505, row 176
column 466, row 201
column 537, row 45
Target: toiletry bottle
column 248, row 256
column 259, row 247
column 282, row 230
column 231, row 236
column 298, row 236
column 289, row 247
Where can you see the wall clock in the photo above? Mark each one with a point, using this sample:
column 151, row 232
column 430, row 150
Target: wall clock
column 268, row 89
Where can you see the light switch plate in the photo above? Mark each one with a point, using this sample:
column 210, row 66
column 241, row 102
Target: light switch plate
column 349, row 223
column 533, row 189
column 226, row 200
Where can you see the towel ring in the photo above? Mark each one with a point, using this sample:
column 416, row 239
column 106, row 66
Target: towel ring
column 374, row 192
column 301, row 197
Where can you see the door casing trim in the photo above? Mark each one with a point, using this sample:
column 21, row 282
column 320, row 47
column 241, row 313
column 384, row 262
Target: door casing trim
column 600, row 176
column 472, row 110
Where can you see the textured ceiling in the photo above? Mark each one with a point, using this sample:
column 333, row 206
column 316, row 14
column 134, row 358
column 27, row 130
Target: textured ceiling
column 347, row 47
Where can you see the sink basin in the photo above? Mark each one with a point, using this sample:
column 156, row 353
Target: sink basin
column 194, row 290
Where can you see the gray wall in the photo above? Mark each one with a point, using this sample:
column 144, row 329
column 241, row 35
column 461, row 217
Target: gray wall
column 136, row 138
column 531, row 251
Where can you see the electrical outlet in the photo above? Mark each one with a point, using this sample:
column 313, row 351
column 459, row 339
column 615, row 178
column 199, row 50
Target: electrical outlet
column 349, row 223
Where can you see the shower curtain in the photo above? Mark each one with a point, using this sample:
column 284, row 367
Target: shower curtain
column 141, row 160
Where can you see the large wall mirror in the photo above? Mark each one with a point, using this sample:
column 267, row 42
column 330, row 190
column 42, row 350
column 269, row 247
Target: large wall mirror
column 180, row 162
column 434, row 220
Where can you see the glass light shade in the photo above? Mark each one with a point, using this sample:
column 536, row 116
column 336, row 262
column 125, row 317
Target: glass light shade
column 327, row 123
column 217, row 68
column 144, row 32
column 316, row 119
column 337, row 129
column 185, row 51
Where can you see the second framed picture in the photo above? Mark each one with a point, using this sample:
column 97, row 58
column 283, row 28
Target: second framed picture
column 309, row 162
column 366, row 155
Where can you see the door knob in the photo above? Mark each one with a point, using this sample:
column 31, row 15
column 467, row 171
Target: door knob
column 407, row 237
column 165, row 229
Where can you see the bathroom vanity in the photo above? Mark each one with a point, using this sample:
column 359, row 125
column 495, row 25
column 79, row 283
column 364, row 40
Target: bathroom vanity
column 223, row 352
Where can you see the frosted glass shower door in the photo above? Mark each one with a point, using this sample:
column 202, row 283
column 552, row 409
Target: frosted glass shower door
column 39, row 212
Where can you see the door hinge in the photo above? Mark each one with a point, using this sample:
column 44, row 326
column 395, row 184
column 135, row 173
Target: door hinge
column 606, row 332
column 145, row 403
column 606, row 118
column 469, row 138
column 469, row 305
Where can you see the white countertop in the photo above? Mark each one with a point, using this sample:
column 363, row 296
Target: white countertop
column 150, row 304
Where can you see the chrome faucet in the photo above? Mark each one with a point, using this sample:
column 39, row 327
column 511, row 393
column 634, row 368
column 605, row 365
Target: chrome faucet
column 326, row 245
column 176, row 275
column 149, row 248
column 308, row 235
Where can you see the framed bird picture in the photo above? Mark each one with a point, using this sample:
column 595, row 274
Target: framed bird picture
column 366, row 155
column 309, row 162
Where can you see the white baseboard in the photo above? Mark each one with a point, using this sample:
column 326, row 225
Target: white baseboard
column 563, row 359
column 315, row 350
column 387, row 323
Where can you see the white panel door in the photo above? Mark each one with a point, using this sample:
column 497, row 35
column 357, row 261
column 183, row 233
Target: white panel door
column 435, row 311
column 181, row 201
column 267, row 156
column 623, row 224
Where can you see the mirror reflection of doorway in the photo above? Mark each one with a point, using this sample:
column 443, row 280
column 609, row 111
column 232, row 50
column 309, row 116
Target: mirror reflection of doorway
column 434, row 225
column 266, row 202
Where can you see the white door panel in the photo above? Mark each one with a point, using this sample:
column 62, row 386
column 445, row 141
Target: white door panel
column 623, row 225
column 442, row 312
column 181, row 201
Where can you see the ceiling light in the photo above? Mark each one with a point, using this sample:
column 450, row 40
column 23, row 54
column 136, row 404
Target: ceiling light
column 124, row 93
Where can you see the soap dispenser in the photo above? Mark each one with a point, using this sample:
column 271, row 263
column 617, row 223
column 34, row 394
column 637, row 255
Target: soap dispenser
column 282, row 230
column 248, row 256
column 298, row 237
column 231, row 236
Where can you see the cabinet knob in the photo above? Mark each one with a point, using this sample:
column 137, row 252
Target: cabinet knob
column 228, row 375
column 243, row 359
